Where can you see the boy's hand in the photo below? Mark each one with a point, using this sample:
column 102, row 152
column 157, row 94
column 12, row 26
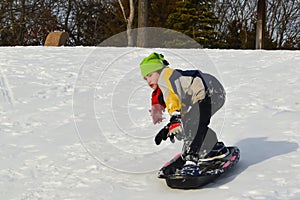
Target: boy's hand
column 175, row 125
column 156, row 113
column 170, row 130
column 161, row 135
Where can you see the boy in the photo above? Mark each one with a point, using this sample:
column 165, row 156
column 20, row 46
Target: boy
column 187, row 97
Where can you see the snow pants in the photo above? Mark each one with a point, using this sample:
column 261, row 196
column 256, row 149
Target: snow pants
column 198, row 138
column 195, row 126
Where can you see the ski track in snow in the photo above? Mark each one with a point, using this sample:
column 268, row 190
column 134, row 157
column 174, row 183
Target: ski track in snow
column 78, row 127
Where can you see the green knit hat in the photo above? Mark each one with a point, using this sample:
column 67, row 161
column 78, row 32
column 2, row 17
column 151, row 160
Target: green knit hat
column 152, row 63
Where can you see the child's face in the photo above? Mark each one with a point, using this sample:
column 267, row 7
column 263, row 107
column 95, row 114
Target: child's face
column 152, row 80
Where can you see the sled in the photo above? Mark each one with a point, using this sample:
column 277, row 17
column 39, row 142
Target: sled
column 208, row 173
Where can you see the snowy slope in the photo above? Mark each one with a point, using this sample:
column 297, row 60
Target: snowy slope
column 74, row 124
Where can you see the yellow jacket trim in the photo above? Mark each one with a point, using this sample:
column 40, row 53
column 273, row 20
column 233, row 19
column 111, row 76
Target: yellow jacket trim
column 172, row 100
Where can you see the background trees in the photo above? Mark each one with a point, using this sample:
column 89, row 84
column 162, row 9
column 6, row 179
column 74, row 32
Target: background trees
column 26, row 22
column 212, row 23
column 196, row 19
column 283, row 25
column 239, row 18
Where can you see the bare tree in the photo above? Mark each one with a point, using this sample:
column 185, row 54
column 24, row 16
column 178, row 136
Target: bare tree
column 25, row 22
column 129, row 21
column 283, row 17
column 239, row 12
column 282, row 20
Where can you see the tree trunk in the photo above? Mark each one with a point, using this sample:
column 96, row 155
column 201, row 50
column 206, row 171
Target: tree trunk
column 142, row 22
column 22, row 24
column 129, row 25
column 260, row 26
column 68, row 11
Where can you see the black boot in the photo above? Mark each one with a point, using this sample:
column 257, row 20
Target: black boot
column 219, row 151
column 190, row 168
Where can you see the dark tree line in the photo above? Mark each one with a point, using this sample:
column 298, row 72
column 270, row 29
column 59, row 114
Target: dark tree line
column 238, row 24
column 28, row 22
column 212, row 23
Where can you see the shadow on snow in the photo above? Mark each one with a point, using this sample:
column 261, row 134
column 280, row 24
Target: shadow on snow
column 254, row 151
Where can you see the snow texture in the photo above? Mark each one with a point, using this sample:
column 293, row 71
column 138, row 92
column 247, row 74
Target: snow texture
column 74, row 124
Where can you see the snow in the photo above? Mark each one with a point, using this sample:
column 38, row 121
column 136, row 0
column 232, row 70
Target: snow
column 74, row 124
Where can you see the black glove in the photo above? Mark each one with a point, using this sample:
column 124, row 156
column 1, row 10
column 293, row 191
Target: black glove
column 162, row 135
column 175, row 126
column 170, row 130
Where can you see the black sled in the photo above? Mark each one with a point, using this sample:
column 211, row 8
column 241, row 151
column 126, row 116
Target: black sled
column 209, row 173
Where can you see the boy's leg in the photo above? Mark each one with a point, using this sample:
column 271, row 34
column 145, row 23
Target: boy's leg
column 196, row 126
column 208, row 143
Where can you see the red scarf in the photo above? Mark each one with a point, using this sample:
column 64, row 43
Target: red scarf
column 157, row 98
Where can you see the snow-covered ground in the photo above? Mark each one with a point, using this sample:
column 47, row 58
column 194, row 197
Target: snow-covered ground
column 74, row 124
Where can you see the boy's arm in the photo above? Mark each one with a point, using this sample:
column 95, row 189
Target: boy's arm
column 172, row 100
column 173, row 105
